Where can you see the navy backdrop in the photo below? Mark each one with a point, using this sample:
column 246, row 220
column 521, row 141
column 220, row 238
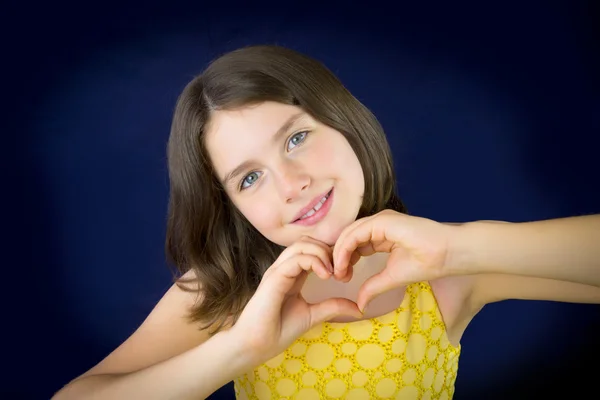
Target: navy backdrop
column 491, row 110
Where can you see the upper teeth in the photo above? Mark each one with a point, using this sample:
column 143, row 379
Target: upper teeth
column 315, row 208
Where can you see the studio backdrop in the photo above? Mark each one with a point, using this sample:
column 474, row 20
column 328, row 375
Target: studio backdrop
column 491, row 113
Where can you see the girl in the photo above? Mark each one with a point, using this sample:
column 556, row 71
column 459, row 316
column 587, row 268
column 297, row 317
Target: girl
column 302, row 275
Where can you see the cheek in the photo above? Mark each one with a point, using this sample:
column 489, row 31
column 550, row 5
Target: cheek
column 320, row 157
column 261, row 214
column 358, row 175
column 337, row 156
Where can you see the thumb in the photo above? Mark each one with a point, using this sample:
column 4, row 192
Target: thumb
column 332, row 308
column 374, row 286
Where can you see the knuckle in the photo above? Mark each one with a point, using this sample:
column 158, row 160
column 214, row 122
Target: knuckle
column 337, row 307
column 308, row 251
column 312, row 260
column 324, row 252
column 305, row 262
column 303, row 257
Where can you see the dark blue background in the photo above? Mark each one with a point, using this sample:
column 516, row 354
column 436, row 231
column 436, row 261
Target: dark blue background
column 492, row 112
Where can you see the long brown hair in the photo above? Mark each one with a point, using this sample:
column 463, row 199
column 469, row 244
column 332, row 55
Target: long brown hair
column 205, row 232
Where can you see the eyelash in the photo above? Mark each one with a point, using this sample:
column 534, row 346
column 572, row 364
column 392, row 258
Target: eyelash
column 293, row 136
column 287, row 143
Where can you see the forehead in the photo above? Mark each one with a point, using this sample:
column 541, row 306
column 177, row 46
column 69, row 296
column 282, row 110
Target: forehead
column 259, row 119
column 233, row 136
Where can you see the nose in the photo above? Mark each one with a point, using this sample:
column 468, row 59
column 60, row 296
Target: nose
column 291, row 181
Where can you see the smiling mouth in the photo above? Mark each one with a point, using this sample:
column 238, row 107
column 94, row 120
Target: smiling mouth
column 318, row 211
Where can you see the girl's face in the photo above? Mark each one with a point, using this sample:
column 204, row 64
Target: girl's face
column 287, row 173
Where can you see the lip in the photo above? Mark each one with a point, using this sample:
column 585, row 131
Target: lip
column 319, row 215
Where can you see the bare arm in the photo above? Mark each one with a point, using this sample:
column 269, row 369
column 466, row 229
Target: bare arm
column 564, row 249
column 194, row 374
column 166, row 357
column 514, row 261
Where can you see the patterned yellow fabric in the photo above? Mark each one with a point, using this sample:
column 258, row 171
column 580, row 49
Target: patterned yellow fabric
column 401, row 355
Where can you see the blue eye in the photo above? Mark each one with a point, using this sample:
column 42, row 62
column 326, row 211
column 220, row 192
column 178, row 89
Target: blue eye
column 296, row 139
column 249, row 180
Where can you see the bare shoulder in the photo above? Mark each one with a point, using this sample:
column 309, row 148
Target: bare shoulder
column 453, row 295
column 165, row 333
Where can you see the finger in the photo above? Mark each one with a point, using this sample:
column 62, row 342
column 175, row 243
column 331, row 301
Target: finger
column 360, row 237
column 332, row 308
column 308, row 245
column 350, row 270
column 355, row 257
column 376, row 285
column 361, row 251
column 345, row 233
column 298, row 284
column 323, row 252
column 303, row 262
column 348, row 275
column 316, row 241
column 288, row 277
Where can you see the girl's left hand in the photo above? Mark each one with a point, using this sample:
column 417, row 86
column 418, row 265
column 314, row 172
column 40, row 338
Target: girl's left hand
column 418, row 250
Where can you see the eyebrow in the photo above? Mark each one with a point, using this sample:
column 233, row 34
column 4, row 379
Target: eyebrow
column 246, row 164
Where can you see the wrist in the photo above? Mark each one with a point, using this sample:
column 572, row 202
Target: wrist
column 237, row 356
column 457, row 249
column 252, row 352
column 471, row 243
column 464, row 240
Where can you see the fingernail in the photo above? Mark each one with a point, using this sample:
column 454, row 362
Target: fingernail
column 364, row 309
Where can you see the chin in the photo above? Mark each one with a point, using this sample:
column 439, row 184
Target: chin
column 330, row 237
column 331, row 233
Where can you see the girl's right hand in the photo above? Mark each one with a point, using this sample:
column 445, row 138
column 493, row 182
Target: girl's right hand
column 277, row 314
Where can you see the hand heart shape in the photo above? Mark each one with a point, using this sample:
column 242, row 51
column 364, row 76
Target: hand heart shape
column 417, row 247
column 278, row 312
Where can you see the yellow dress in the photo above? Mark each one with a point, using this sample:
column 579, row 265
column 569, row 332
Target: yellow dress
column 404, row 354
